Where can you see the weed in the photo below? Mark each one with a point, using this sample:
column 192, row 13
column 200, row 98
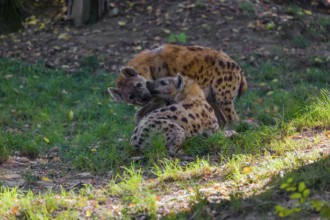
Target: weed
column 168, row 170
column 30, row 178
column 300, row 41
column 296, row 11
column 180, row 38
column 4, row 152
column 90, row 62
column 200, row 3
column 246, row 7
column 157, row 150
column 317, row 114
column 300, row 195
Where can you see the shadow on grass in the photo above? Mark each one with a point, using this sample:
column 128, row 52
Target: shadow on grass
column 316, row 176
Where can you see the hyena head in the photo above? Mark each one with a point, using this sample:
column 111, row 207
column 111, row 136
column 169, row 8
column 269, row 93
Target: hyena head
column 132, row 88
column 166, row 88
column 175, row 89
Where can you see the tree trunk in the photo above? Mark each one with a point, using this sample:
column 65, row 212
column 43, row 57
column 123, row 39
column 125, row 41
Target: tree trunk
column 86, row 11
column 12, row 14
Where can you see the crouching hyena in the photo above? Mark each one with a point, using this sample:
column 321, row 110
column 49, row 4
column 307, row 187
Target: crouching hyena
column 190, row 114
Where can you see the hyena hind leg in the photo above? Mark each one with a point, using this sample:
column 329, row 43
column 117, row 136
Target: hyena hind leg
column 222, row 119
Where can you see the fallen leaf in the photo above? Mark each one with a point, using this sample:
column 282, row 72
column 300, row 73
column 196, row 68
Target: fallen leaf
column 327, row 134
column 14, row 210
column 45, row 179
column 64, row 36
column 308, row 12
column 42, row 25
column 88, row 213
column 121, row 23
column 166, row 31
column 32, row 20
column 8, row 77
column 71, row 115
column 46, row 140
column 246, row 170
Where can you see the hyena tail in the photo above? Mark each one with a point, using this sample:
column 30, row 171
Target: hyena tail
column 243, row 86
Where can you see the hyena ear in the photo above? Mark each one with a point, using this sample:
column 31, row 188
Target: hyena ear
column 128, row 72
column 180, row 83
column 116, row 94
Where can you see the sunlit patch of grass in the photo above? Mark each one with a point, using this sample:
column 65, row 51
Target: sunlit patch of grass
column 15, row 204
column 317, row 114
column 137, row 197
column 171, row 171
column 130, row 181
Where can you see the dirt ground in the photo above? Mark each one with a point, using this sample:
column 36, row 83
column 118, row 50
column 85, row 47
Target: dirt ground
column 243, row 30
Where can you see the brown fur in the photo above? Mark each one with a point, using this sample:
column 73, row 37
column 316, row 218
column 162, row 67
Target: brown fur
column 216, row 73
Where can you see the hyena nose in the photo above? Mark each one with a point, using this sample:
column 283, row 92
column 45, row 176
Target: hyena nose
column 145, row 97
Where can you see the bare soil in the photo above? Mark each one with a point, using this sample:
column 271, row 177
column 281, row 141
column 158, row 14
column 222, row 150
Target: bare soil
column 263, row 29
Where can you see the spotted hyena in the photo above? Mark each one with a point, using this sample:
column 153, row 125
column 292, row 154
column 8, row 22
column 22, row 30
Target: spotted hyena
column 216, row 73
column 190, row 114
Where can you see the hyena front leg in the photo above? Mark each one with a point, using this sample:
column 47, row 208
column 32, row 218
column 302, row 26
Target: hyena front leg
column 154, row 104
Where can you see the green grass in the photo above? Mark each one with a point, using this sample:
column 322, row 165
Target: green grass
column 247, row 7
column 41, row 109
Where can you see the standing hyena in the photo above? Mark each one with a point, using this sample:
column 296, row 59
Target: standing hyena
column 216, row 73
column 190, row 114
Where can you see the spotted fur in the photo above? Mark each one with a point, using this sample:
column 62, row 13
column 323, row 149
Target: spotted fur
column 189, row 115
column 216, row 73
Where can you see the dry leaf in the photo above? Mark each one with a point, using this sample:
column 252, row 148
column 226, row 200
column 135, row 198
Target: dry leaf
column 327, row 134
column 246, row 170
column 121, row 23
column 308, row 12
column 46, row 140
column 14, row 210
column 45, row 179
column 88, row 213
column 64, row 36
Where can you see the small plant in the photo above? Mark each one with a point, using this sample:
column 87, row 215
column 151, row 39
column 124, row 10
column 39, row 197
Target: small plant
column 30, row 178
column 247, row 7
column 301, row 201
column 200, row 3
column 300, row 41
column 317, row 114
column 296, row 11
column 4, row 153
column 90, row 62
column 177, row 38
column 157, row 151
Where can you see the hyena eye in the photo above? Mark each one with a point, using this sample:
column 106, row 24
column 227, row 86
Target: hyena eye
column 138, row 85
column 131, row 97
column 163, row 83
